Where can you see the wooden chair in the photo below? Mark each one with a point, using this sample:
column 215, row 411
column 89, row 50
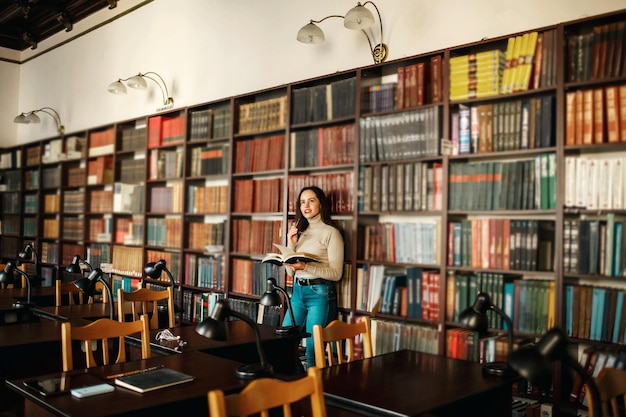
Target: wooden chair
column 144, row 301
column 263, row 394
column 612, row 387
column 337, row 342
column 102, row 330
column 71, row 290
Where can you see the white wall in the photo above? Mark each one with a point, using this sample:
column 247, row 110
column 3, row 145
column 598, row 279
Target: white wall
column 212, row 49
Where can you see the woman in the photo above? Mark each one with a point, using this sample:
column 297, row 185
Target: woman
column 314, row 298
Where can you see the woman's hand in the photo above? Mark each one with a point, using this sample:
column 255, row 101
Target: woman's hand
column 292, row 234
column 298, row 266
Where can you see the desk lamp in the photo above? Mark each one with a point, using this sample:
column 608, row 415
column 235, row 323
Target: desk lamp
column 29, row 253
column 74, row 267
column 533, row 362
column 271, row 298
column 475, row 318
column 88, row 287
column 8, row 276
column 214, row 327
column 154, row 270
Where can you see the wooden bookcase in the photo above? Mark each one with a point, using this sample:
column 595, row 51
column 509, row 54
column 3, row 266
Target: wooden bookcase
column 512, row 183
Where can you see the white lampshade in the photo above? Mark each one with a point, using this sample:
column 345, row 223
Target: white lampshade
column 137, row 82
column 20, row 118
column 117, row 88
column 310, row 33
column 358, row 18
column 32, row 118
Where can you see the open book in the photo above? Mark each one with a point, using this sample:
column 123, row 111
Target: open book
column 288, row 256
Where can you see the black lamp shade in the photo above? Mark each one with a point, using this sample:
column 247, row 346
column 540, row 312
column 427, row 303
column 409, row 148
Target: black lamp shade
column 88, row 287
column 74, row 267
column 475, row 317
column 8, row 276
column 271, row 298
column 154, row 269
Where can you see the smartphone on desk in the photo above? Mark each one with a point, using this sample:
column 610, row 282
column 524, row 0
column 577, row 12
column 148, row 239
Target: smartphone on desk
column 50, row 386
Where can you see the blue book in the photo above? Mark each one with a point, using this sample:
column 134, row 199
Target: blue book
column 619, row 304
column 569, row 310
column 464, row 129
column 414, row 276
column 597, row 313
column 509, row 300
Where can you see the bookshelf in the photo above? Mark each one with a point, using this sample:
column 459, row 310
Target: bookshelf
column 482, row 166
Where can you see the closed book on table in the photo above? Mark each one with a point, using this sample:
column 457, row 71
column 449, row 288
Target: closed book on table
column 153, row 379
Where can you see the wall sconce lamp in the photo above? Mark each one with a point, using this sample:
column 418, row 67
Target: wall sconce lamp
column 30, row 253
column 357, row 18
column 139, row 82
column 475, row 318
column 533, row 362
column 31, row 117
column 8, row 276
column 154, row 270
column 74, row 267
column 214, row 327
column 271, row 298
column 88, row 287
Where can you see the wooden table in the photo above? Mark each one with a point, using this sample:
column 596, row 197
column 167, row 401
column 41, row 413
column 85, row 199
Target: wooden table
column 42, row 296
column 28, row 349
column 240, row 346
column 93, row 311
column 10, row 315
column 408, row 383
column 189, row 399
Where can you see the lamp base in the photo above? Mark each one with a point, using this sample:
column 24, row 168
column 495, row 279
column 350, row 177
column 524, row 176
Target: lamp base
column 287, row 330
column 254, row 370
column 497, row 369
column 19, row 304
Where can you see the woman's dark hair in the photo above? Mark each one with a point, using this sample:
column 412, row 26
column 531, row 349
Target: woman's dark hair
column 299, row 218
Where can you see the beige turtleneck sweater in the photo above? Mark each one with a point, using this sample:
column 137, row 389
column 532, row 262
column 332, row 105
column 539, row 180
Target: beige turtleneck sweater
column 325, row 242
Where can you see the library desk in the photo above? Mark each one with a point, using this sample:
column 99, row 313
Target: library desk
column 409, row 383
column 41, row 296
column 190, row 398
column 93, row 311
column 28, row 349
column 281, row 351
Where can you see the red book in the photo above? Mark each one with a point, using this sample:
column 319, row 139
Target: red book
column 598, row 115
column 155, row 126
column 612, row 114
column 436, row 79
column 400, row 88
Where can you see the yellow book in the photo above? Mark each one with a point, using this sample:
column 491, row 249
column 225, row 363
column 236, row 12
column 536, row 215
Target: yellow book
column 521, row 58
column 506, row 73
column 516, row 51
column 527, row 66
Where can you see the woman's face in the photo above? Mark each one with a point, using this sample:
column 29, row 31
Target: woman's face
column 309, row 204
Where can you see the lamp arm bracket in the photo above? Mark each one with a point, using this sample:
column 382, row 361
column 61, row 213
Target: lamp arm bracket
column 162, row 85
column 327, row 17
column 55, row 115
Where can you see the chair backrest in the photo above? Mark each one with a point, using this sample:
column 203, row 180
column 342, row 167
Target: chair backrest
column 612, row 387
column 102, row 330
column 337, row 342
column 71, row 290
column 144, row 301
column 263, row 394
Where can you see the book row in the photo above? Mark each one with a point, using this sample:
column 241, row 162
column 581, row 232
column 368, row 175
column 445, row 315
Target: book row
column 408, row 243
column 324, row 146
column 509, row 125
column 595, row 182
column 595, row 246
column 411, row 186
column 324, row 102
column 525, row 184
column 505, row 244
column 407, row 135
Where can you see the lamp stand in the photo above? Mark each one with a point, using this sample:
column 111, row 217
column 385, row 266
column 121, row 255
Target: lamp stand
column 497, row 369
column 254, row 370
